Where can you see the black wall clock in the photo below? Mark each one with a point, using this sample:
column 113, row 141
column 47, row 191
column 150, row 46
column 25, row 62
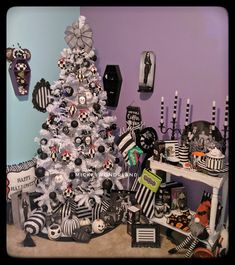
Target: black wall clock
column 146, row 139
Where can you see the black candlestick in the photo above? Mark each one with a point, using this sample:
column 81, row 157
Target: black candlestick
column 173, row 129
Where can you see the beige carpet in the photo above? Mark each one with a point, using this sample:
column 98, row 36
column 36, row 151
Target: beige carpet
column 115, row 244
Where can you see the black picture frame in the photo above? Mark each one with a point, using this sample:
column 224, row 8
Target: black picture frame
column 147, row 71
column 146, row 235
column 41, row 96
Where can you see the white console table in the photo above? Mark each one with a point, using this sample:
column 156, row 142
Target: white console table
column 215, row 182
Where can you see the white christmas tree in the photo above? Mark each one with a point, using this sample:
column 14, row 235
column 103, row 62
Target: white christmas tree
column 78, row 161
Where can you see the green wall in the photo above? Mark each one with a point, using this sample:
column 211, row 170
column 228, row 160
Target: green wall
column 41, row 30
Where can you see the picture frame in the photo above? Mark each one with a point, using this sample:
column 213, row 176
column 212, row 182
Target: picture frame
column 171, row 148
column 147, row 71
column 41, row 96
column 146, row 235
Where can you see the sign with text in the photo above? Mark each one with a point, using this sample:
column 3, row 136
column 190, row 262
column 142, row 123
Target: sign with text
column 21, row 180
column 150, row 180
column 133, row 116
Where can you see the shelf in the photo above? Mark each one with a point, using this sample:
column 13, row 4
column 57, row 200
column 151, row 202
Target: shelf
column 215, row 182
column 162, row 221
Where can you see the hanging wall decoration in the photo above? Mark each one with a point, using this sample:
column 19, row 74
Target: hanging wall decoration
column 112, row 81
column 19, row 69
column 147, row 71
column 133, row 117
column 41, row 95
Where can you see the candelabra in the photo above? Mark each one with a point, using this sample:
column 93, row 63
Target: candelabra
column 173, row 129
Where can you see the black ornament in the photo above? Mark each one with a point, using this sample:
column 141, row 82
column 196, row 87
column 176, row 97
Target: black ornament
column 78, row 140
column 107, row 184
column 86, row 63
column 44, row 126
column 72, row 175
column 113, row 126
column 66, row 130
column 40, row 172
column 101, row 149
column 43, row 155
column 44, row 208
column 94, row 58
column 78, row 161
column 63, row 104
column 96, row 107
column 68, row 91
column 92, row 85
column 39, row 151
column 52, row 195
column 43, row 141
column 117, row 160
column 74, row 124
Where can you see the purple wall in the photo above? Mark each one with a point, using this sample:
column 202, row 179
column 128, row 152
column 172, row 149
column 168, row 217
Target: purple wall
column 191, row 48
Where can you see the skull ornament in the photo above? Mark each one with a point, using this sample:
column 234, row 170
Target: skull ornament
column 98, row 226
column 54, row 231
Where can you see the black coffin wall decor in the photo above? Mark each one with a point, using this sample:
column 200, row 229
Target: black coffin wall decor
column 112, row 81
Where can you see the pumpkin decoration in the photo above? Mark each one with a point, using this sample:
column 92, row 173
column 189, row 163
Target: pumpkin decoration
column 69, row 225
column 84, row 221
column 54, row 231
column 98, row 226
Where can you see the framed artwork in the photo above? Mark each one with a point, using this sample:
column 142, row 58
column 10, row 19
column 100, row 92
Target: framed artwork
column 146, row 235
column 41, row 95
column 147, row 71
column 171, row 148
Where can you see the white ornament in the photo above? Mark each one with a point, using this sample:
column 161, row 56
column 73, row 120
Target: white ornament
column 98, row 226
column 59, row 179
column 54, row 231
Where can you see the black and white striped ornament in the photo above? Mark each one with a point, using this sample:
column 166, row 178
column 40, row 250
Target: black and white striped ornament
column 72, row 110
column 91, row 153
column 35, row 222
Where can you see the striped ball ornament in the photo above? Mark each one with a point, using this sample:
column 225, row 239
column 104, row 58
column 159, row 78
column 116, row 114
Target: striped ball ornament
column 69, row 225
column 35, row 222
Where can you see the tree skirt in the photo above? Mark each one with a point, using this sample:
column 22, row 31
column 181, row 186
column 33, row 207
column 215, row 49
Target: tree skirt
column 65, row 238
